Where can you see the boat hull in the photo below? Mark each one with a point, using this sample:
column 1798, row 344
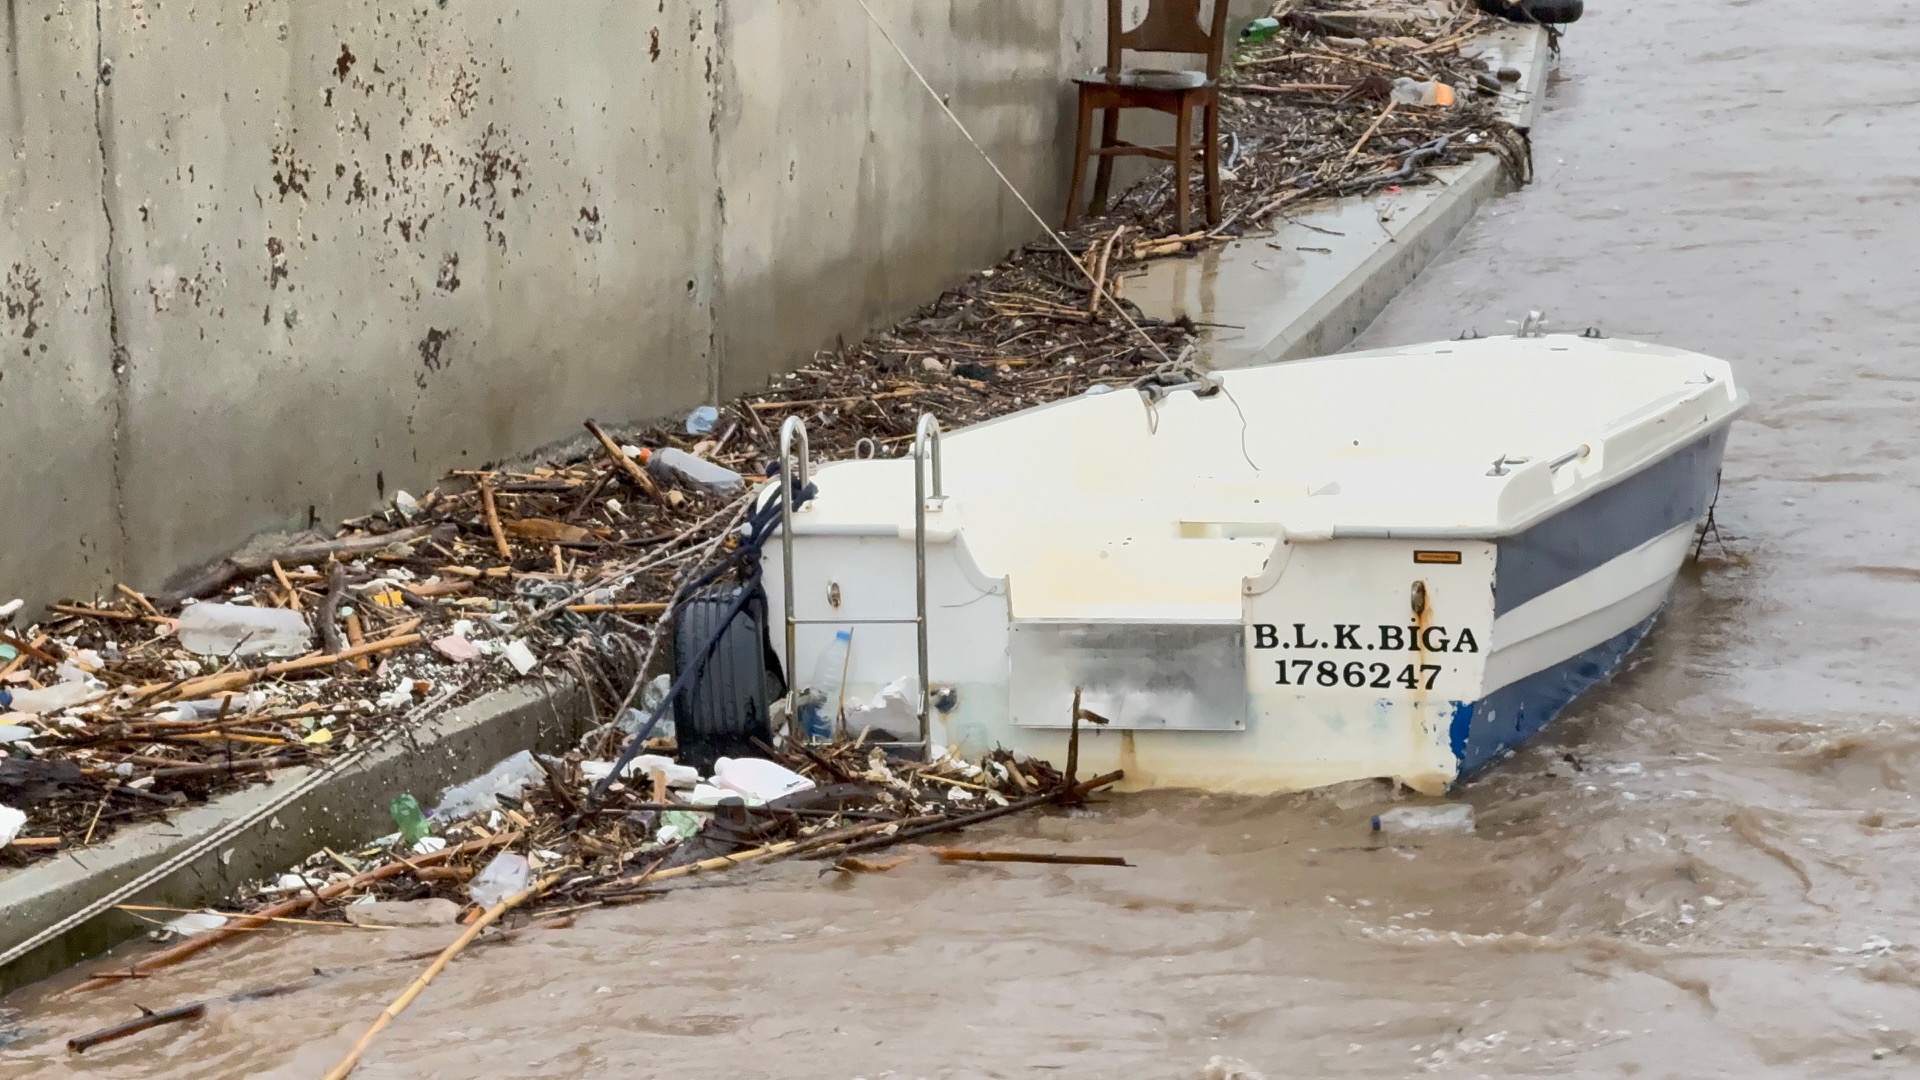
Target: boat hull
column 1276, row 609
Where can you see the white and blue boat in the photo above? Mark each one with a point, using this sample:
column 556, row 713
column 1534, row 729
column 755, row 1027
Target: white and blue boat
column 1399, row 563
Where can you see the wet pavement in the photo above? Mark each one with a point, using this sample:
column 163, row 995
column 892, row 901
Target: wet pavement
column 1708, row 870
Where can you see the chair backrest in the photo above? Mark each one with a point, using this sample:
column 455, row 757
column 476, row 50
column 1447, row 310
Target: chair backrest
column 1171, row 26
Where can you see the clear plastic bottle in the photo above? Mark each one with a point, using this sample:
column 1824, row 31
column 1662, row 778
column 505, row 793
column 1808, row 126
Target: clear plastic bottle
column 818, row 716
column 235, row 629
column 679, row 467
column 1424, row 820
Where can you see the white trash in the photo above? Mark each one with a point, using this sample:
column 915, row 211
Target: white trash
column 11, row 822
column 49, row 699
column 709, row 795
column 1226, row 1068
column 237, row 630
column 505, row 876
column 520, row 656
column 895, row 709
column 198, row 922
column 13, row 733
column 1425, row 820
column 758, row 778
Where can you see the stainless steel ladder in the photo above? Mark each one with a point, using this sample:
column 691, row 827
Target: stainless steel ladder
column 926, row 457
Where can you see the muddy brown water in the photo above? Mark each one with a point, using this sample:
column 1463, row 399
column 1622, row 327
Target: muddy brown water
column 1729, row 885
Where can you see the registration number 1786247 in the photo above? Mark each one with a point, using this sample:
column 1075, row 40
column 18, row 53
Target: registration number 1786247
column 1356, row 674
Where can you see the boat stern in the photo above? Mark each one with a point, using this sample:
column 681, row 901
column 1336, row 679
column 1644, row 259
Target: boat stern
column 1364, row 657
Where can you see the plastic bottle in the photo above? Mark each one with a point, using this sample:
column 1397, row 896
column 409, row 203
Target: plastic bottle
column 701, row 420
column 479, row 795
column 413, row 824
column 236, row 630
column 1260, row 30
column 1424, row 820
column 817, row 717
column 1414, row 92
column 679, row 467
column 506, row 875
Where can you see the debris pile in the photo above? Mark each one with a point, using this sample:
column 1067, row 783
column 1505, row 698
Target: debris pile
column 659, row 821
column 531, row 835
column 1335, row 98
column 124, row 709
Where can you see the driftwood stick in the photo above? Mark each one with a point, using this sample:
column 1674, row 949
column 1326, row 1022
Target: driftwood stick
column 208, row 685
column 1073, row 740
column 1354, row 150
column 651, row 607
column 135, row 595
column 219, row 574
column 85, row 612
column 948, row 854
column 493, row 521
column 627, row 465
column 327, row 615
column 81, row 1043
column 293, row 591
column 1100, row 274
column 357, row 637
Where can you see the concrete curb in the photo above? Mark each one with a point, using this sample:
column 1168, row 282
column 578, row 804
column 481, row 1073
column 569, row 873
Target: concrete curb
column 349, row 810
column 1312, row 286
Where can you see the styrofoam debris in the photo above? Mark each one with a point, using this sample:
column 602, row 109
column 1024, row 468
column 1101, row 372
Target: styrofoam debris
column 11, row 822
column 520, row 656
column 197, row 922
column 758, row 778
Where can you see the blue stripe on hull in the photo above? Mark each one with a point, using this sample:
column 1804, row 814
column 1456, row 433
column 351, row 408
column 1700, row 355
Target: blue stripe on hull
column 1609, row 523
column 1485, row 729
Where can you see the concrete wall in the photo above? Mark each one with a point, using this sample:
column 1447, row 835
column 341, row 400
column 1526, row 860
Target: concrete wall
column 849, row 197
column 262, row 260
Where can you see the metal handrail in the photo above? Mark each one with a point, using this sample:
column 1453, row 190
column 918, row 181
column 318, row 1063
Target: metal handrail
column 1574, row 454
column 926, row 435
column 926, row 453
column 793, row 427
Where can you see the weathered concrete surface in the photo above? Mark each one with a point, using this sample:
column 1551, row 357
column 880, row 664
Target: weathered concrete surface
column 344, row 812
column 1312, row 285
column 850, row 198
column 366, row 242
column 58, row 400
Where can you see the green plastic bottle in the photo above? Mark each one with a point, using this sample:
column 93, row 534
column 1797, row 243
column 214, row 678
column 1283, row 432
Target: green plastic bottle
column 1259, row 30
column 413, row 824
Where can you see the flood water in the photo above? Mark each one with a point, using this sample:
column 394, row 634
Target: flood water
column 1721, row 877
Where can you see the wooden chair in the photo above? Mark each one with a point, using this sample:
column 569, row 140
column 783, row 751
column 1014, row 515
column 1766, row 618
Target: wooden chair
column 1171, row 26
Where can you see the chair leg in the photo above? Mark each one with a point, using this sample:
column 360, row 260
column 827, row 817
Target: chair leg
column 1182, row 152
column 1103, row 174
column 1079, row 161
column 1210, row 158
